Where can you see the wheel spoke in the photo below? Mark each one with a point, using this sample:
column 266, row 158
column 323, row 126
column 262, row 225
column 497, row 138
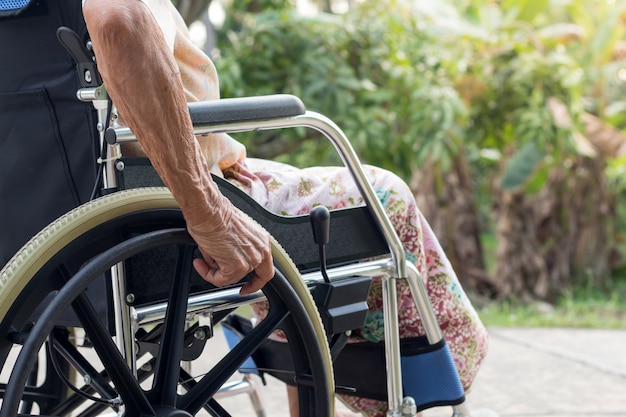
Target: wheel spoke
column 170, row 349
column 210, row 383
column 133, row 396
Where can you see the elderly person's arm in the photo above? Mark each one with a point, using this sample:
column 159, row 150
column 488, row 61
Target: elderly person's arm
column 143, row 80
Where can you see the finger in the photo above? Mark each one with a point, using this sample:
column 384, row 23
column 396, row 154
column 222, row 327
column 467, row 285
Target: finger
column 217, row 278
column 265, row 270
column 201, row 267
column 208, row 273
column 211, row 262
column 255, row 284
column 208, row 259
column 263, row 273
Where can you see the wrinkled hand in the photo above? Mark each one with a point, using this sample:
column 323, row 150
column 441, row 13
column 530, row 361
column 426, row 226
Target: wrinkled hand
column 232, row 249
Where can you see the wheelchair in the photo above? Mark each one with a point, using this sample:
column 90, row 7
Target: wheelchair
column 102, row 313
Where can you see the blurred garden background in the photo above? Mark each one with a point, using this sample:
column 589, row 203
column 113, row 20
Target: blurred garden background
column 507, row 118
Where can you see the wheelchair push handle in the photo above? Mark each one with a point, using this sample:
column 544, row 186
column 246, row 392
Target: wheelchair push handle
column 85, row 59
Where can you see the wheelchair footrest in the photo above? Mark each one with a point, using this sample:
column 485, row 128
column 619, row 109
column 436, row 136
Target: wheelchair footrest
column 431, row 378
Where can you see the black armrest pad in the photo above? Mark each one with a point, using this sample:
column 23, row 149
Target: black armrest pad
column 243, row 109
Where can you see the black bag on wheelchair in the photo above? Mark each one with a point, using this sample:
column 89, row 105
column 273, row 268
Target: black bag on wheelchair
column 48, row 137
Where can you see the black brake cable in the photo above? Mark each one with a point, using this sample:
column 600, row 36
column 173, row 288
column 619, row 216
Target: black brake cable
column 57, row 368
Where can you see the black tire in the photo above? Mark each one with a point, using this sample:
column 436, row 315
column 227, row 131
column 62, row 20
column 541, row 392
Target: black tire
column 72, row 255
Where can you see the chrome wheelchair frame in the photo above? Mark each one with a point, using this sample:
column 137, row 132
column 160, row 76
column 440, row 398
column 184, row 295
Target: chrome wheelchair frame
column 285, row 111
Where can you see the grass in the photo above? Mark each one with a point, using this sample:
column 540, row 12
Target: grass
column 583, row 308
column 572, row 314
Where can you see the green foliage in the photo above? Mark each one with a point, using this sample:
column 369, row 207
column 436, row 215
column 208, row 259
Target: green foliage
column 375, row 71
column 415, row 81
column 526, row 10
column 398, row 81
column 520, row 166
column 512, row 76
column 239, row 12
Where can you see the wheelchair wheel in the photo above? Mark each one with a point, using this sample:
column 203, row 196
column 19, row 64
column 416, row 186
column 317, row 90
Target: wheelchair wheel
column 51, row 322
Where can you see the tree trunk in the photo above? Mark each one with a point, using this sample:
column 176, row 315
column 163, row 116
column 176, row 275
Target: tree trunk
column 556, row 239
column 447, row 202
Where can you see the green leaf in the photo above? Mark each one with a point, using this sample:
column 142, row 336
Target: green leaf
column 520, row 166
column 527, row 10
column 538, row 180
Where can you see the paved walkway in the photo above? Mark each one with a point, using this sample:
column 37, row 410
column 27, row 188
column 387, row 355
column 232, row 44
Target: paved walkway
column 551, row 372
column 534, row 373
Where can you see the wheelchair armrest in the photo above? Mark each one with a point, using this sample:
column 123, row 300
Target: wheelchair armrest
column 245, row 109
column 228, row 111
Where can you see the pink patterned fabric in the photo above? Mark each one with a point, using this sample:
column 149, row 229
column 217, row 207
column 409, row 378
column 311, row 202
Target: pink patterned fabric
column 286, row 190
